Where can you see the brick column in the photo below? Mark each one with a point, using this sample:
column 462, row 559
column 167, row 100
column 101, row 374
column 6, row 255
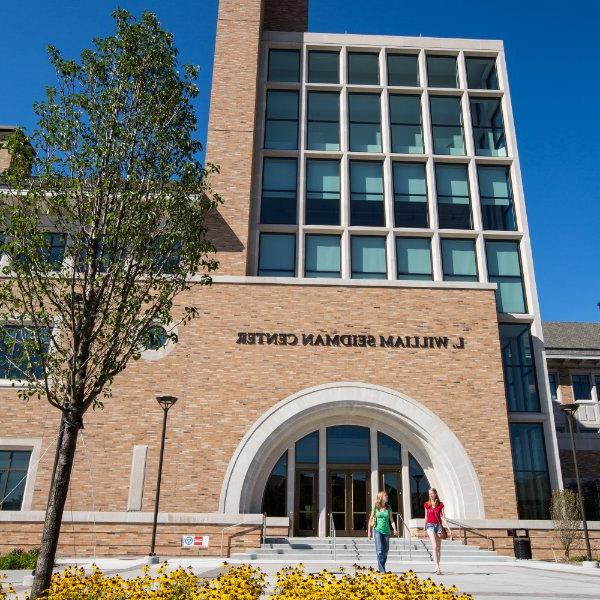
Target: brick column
column 231, row 127
column 286, row 15
column 232, row 115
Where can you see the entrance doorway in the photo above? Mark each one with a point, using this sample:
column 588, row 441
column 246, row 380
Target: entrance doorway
column 334, row 473
column 306, row 515
column 349, row 498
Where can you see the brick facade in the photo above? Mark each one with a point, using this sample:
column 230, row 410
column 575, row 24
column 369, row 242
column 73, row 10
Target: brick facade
column 224, row 387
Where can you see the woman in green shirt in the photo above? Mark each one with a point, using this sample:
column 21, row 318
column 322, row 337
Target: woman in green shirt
column 379, row 523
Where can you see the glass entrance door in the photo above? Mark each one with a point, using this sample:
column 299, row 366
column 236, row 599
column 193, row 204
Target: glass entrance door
column 307, row 495
column 390, row 480
column 348, row 498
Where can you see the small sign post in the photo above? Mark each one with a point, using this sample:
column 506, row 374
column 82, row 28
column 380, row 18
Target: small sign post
column 194, row 541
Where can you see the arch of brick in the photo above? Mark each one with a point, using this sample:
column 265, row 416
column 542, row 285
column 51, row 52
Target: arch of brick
column 428, row 438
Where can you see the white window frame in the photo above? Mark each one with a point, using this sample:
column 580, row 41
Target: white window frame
column 387, row 157
column 593, row 402
column 33, row 445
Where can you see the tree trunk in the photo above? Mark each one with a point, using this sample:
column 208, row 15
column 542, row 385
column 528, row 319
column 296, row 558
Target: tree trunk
column 56, row 505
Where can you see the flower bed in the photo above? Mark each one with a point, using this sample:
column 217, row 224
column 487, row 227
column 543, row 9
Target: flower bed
column 244, row 583
column 294, row 583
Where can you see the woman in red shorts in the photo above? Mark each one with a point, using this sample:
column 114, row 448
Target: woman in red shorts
column 435, row 521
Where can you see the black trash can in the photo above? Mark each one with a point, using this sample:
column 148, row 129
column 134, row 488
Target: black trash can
column 522, row 547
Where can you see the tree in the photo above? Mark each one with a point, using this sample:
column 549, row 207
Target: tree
column 102, row 220
column 566, row 518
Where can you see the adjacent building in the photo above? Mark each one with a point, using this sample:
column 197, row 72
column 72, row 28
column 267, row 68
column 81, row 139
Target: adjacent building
column 374, row 323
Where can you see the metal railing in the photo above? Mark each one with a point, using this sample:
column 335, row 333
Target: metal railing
column 223, row 533
column 406, row 528
column 333, row 536
column 264, row 530
column 463, row 529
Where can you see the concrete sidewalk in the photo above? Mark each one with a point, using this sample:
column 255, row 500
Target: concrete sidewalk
column 523, row 580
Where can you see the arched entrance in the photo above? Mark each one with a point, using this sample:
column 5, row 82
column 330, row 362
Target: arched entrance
column 421, row 434
column 359, row 461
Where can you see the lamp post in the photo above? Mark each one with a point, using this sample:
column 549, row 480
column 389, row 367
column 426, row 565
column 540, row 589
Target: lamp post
column 165, row 402
column 570, row 410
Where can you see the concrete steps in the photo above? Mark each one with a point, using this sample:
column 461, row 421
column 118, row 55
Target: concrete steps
column 362, row 550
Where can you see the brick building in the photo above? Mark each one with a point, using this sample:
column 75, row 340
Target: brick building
column 374, row 323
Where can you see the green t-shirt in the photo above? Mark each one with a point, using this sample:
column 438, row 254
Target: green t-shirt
column 382, row 520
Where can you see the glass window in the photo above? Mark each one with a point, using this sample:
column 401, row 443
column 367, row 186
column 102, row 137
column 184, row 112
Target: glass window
column 307, row 449
column 323, row 67
column 403, row 70
column 52, row 251
column 277, row 255
column 388, row 450
column 442, row 71
column 488, row 127
column 322, row 192
column 274, row 499
column 368, row 257
column 323, row 256
column 419, row 488
column 405, row 122
column 410, row 195
column 520, row 380
column 13, row 476
column 531, row 470
column 348, row 444
column 552, row 380
column 458, row 260
column 597, row 382
column 481, row 73
column 323, row 121
column 278, row 201
column 366, row 193
column 284, row 65
column 55, row 250
column 363, row 68
column 446, row 125
column 156, row 338
column 364, row 111
column 582, row 390
column 18, row 355
column 166, row 252
column 504, row 268
column 454, row 202
column 495, row 192
column 413, row 258
column 281, row 126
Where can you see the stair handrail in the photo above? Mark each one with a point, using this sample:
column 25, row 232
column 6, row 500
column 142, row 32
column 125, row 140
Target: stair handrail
column 462, row 529
column 407, row 529
column 223, row 532
column 333, row 536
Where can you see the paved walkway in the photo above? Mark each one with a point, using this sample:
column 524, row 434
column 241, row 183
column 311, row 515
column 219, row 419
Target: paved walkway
column 522, row 580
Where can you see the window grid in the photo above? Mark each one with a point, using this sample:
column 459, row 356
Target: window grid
column 470, row 159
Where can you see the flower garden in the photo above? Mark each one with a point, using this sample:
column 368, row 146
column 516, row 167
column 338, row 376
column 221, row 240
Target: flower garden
column 244, row 583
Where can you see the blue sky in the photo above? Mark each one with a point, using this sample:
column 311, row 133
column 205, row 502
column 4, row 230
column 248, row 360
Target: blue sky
column 554, row 93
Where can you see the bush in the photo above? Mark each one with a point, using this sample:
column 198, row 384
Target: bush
column 19, row 559
column 566, row 516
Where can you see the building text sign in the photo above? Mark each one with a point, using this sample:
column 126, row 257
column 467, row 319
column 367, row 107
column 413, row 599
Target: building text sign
column 349, row 340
